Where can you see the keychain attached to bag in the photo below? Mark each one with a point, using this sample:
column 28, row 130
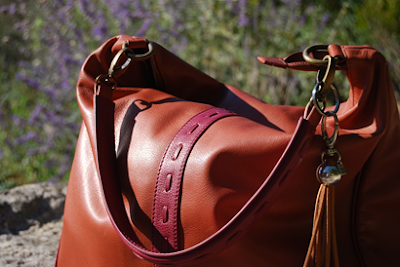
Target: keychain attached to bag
column 323, row 243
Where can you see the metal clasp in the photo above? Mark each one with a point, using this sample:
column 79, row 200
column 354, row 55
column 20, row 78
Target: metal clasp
column 327, row 66
column 116, row 69
column 329, row 171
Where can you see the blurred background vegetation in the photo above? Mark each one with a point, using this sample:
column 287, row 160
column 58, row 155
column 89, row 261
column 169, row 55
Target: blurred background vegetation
column 43, row 43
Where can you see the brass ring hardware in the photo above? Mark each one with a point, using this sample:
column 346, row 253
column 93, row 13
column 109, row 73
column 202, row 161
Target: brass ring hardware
column 131, row 54
column 327, row 74
column 313, row 61
column 116, row 70
column 324, row 82
column 327, row 66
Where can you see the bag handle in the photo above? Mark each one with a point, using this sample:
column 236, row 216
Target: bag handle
column 256, row 206
column 106, row 162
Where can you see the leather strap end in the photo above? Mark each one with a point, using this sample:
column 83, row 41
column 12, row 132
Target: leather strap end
column 273, row 61
column 294, row 61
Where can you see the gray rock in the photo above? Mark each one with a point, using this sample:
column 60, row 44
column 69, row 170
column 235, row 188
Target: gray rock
column 35, row 247
column 27, row 205
column 30, row 224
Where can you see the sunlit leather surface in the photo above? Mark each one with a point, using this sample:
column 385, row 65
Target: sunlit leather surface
column 231, row 160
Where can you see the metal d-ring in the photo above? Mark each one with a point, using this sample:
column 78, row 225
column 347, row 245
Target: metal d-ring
column 143, row 56
column 313, row 61
column 116, row 70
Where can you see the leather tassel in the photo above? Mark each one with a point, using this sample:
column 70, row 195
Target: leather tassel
column 322, row 250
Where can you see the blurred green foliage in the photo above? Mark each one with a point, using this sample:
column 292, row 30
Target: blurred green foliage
column 43, row 44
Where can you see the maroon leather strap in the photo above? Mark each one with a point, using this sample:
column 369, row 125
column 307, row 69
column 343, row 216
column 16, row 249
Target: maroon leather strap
column 104, row 151
column 169, row 180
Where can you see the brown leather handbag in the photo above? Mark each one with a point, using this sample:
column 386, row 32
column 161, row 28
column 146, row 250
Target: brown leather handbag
column 175, row 168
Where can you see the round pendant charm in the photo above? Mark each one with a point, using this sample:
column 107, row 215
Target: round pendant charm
column 328, row 174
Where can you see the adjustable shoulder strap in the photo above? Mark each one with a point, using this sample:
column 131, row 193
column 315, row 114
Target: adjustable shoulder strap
column 104, row 152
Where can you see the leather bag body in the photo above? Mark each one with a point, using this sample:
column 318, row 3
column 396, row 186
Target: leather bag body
column 156, row 97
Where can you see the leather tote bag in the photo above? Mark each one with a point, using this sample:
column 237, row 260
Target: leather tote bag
column 175, row 168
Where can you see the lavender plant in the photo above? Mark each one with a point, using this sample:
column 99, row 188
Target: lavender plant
column 44, row 43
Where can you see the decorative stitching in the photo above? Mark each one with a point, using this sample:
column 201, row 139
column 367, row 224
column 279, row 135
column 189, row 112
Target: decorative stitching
column 171, row 171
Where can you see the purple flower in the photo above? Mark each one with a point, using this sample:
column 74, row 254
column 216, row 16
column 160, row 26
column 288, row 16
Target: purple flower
column 25, row 138
column 325, row 18
column 291, row 4
column 16, row 120
column 243, row 20
column 101, row 29
column 11, row 9
column 144, row 28
column 36, row 113
column 3, row 9
column 309, row 10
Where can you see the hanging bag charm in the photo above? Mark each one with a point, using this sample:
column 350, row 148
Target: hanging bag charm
column 322, row 249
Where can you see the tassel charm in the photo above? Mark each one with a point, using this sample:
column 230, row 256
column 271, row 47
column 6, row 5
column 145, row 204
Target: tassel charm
column 322, row 249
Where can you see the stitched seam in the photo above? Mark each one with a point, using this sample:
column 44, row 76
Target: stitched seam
column 186, row 150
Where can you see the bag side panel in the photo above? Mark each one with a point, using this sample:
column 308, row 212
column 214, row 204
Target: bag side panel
column 88, row 238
